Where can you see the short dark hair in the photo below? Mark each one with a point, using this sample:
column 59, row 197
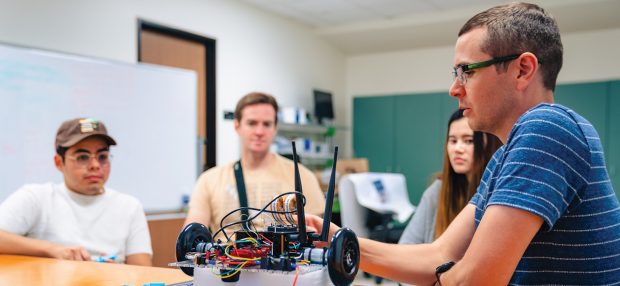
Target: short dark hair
column 253, row 98
column 61, row 151
column 517, row 28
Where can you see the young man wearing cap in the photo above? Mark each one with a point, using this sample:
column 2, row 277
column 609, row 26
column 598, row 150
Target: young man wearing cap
column 80, row 218
column 263, row 173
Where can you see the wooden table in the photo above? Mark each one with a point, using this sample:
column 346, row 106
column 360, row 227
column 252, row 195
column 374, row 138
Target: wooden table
column 26, row 270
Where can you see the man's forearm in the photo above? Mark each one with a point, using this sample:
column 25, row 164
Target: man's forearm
column 15, row 244
column 405, row 263
column 416, row 264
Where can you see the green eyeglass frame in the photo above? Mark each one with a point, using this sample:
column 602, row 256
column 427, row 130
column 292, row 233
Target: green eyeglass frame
column 462, row 69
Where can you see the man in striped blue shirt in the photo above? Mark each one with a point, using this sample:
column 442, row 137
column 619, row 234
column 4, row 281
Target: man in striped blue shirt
column 553, row 167
column 545, row 212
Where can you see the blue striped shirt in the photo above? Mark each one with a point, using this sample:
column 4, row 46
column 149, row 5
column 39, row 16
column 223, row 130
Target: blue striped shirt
column 553, row 166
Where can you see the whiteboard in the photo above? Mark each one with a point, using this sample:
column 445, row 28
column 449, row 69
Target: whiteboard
column 149, row 110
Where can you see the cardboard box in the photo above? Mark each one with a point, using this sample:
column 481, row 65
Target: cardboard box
column 343, row 167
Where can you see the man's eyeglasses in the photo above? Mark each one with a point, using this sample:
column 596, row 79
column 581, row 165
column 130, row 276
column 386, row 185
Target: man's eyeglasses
column 83, row 159
column 462, row 71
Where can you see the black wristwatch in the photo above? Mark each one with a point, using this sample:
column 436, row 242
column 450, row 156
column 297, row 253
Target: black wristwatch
column 441, row 269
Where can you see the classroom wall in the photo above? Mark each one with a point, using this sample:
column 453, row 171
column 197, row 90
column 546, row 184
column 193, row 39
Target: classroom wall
column 260, row 51
column 588, row 56
column 255, row 50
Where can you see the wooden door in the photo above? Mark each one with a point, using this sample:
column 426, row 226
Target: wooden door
column 164, row 233
column 170, row 47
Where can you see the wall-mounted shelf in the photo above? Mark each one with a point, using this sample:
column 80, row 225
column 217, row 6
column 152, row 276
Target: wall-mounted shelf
column 321, row 144
column 302, row 128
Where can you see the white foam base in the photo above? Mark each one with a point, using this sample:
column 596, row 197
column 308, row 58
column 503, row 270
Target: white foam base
column 205, row 276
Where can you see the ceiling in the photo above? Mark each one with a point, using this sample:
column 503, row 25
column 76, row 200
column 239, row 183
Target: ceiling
column 372, row 26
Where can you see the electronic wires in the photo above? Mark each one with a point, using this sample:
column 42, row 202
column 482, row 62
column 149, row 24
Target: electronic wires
column 230, row 258
column 248, row 222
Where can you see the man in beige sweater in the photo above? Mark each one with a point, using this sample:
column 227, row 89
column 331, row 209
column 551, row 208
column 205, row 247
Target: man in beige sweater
column 265, row 174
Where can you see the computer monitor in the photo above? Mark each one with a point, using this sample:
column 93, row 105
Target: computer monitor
column 323, row 107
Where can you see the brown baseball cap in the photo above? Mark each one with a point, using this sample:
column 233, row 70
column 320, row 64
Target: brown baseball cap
column 75, row 130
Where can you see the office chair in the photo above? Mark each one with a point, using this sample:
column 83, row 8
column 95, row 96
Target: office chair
column 381, row 194
column 375, row 206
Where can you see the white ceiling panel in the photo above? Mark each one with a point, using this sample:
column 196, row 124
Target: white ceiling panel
column 365, row 26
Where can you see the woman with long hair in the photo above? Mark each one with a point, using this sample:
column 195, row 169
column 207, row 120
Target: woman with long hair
column 466, row 155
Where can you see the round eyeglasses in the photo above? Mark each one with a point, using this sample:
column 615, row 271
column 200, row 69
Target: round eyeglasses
column 83, row 159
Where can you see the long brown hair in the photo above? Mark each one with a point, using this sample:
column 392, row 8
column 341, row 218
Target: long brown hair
column 457, row 189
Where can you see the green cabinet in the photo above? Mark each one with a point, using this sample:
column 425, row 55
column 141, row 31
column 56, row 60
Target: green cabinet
column 599, row 103
column 590, row 100
column 373, row 131
column 613, row 131
column 417, row 139
column 407, row 135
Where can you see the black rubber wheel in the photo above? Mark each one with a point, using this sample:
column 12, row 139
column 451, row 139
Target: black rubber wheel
column 343, row 257
column 233, row 278
column 191, row 235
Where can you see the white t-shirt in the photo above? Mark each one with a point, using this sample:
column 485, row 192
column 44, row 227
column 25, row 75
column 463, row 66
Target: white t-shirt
column 112, row 223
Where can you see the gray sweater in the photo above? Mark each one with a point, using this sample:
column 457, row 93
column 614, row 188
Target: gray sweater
column 421, row 228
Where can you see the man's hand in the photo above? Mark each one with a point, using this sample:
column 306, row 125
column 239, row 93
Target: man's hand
column 11, row 243
column 315, row 223
column 78, row 253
